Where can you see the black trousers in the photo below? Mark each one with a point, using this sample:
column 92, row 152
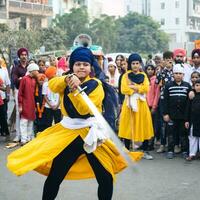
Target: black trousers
column 3, row 121
column 176, row 130
column 63, row 162
column 50, row 115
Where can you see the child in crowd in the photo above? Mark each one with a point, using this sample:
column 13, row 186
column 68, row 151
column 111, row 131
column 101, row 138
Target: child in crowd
column 52, row 101
column 113, row 74
column 164, row 76
column 194, row 77
column 135, row 120
column 124, row 68
column 153, row 98
column 26, row 99
column 193, row 122
column 42, row 66
column 175, row 101
column 40, row 102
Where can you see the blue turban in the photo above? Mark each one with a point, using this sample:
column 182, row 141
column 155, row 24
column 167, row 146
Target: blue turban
column 133, row 57
column 81, row 54
column 195, row 52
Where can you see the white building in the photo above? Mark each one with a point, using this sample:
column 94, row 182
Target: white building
column 27, row 14
column 179, row 18
column 95, row 7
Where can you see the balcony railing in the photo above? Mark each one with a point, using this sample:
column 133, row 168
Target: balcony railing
column 30, row 8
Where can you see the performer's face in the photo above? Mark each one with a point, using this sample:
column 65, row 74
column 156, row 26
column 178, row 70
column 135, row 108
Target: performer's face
column 82, row 69
column 135, row 66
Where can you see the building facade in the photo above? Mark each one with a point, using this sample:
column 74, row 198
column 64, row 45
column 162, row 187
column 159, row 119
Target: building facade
column 179, row 18
column 95, row 8
column 28, row 14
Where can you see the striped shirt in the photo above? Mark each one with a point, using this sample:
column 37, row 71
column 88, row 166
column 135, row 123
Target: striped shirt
column 175, row 99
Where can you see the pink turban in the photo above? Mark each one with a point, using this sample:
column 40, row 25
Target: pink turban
column 179, row 52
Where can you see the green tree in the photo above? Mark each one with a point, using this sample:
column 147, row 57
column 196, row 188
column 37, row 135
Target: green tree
column 52, row 38
column 139, row 33
column 73, row 23
column 104, row 32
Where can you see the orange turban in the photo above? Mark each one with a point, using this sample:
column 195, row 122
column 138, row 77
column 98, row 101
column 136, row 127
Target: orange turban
column 179, row 52
column 41, row 77
column 50, row 72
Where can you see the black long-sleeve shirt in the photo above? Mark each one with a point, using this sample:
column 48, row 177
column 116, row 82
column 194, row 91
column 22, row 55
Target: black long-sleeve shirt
column 175, row 99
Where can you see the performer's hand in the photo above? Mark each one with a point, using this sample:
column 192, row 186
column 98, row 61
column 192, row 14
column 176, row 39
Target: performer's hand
column 73, row 82
column 166, row 118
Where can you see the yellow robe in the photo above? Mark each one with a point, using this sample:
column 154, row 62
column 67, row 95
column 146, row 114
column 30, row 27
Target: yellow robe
column 40, row 152
column 136, row 126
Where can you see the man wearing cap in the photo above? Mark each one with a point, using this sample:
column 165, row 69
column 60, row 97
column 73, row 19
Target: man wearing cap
column 179, row 58
column 196, row 60
column 18, row 72
column 26, row 100
column 175, row 100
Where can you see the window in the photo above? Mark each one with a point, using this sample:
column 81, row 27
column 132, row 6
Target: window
column 2, row 3
column 177, row 4
column 162, row 21
column 162, row 5
column 177, row 21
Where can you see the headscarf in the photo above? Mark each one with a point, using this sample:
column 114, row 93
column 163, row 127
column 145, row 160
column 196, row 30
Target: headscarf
column 19, row 52
column 134, row 57
column 116, row 75
column 195, row 52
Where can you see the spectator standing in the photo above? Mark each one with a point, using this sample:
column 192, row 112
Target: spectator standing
column 153, row 96
column 175, row 102
column 135, row 86
column 193, row 122
column 52, row 100
column 163, row 77
column 18, row 72
column 3, row 120
column 40, row 102
column 26, row 100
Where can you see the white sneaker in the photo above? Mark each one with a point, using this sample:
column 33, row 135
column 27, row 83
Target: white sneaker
column 16, row 139
column 147, row 156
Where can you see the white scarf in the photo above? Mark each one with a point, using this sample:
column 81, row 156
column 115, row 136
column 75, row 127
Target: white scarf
column 132, row 100
column 96, row 135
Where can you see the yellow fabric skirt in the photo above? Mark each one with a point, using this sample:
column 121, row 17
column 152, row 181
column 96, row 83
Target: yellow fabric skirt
column 39, row 153
column 136, row 126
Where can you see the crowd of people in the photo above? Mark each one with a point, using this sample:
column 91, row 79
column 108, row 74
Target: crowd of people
column 157, row 101
column 146, row 104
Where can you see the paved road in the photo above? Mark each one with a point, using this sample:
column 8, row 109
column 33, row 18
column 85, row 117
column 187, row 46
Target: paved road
column 159, row 179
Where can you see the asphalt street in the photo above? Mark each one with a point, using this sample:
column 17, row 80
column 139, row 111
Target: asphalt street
column 158, row 179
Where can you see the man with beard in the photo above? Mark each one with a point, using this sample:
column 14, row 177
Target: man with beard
column 196, row 60
column 179, row 58
column 18, row 72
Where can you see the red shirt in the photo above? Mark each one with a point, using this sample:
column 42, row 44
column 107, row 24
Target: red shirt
column 26, row 97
